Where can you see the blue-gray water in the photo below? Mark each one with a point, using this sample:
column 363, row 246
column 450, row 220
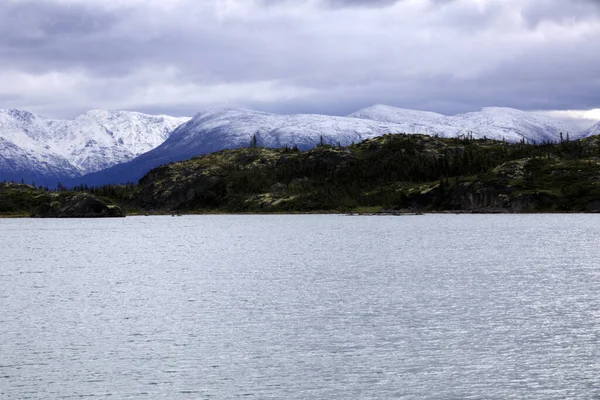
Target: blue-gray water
column 301, row 307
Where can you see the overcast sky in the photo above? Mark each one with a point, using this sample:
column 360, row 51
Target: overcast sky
column 62, row 57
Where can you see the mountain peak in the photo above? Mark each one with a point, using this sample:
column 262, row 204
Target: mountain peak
column 91, row 142
column 101, row 113
column 18, row 115
column 137, row 131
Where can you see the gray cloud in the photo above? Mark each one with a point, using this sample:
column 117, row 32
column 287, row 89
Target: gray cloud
column 37, row 20
column 361, row 3
column 330, row 56
column 374, row 3
column 572, row 12
column 339, row 3
column 42, row 36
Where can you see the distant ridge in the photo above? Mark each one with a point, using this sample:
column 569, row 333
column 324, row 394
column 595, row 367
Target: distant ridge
column 41, row 149
column 492, row 122
column 592, row 131
column 102, row 146
column 226, row 128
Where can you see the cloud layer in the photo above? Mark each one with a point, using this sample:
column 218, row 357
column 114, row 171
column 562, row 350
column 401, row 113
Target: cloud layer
column 61, row 57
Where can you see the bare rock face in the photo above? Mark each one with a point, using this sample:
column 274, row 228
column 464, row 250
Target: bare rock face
column 80, row 205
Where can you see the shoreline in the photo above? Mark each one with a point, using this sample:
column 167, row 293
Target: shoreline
column 341, row 213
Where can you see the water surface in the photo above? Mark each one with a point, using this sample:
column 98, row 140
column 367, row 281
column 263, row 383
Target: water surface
column 301, row 307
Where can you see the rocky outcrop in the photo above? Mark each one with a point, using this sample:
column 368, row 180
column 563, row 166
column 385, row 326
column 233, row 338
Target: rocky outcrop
column 80, row 205
column 480, row 197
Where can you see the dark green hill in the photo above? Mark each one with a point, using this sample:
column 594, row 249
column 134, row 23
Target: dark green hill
column 392, row 172
column 27, row 200
column 399, row 173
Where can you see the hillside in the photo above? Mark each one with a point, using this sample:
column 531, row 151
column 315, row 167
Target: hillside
column 230, row 128
column 391, row 172
column 21, row 200
column 215, row 130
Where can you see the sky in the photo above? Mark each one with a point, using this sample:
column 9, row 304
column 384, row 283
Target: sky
column 60, row 58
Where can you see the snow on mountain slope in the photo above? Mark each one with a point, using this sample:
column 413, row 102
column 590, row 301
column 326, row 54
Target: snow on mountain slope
column 24, row 149
column 32, row 144
column 224, row 128
column 218, row 129
column 88, row 145
column 593, row 131
column 513, row 125
column 106, row 143
column 138, row 132
column 415, row 121
column 41, row 166
column 491, row 122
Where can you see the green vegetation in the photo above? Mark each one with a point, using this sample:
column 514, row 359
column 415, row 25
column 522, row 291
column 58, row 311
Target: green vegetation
column 20, row 200
column 391, row 172
column 403, row 173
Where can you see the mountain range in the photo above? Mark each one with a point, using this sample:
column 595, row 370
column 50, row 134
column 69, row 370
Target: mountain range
column 46, row 150
column 102, row 147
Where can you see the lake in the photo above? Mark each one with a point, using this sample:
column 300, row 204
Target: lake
column 301, row 307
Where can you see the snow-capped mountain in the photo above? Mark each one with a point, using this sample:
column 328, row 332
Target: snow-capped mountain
column 117, row 146
column 218, row 129
column 491, row 122
column 138, row 132
column 33, row 147
column 592, row 131
column 35, row 164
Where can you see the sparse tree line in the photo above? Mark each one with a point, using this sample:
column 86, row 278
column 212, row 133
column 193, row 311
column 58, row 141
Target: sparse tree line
column 375, row 172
